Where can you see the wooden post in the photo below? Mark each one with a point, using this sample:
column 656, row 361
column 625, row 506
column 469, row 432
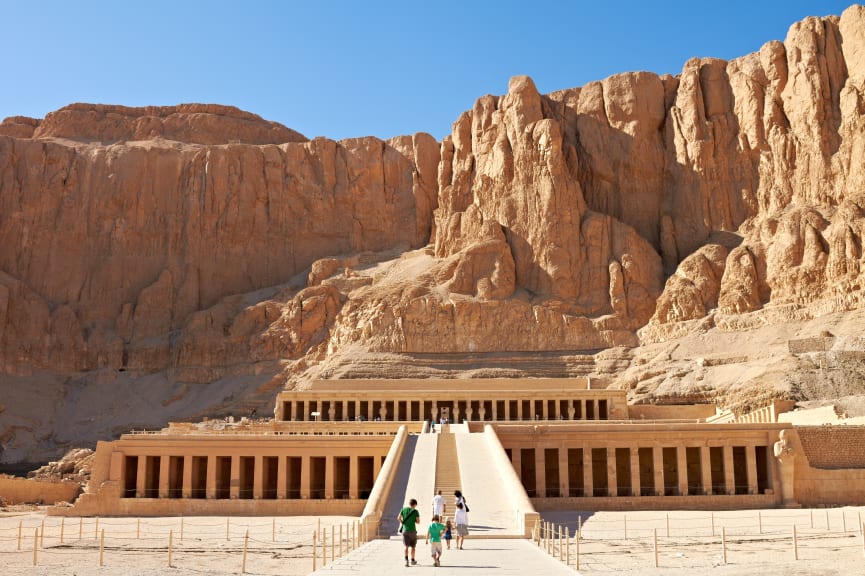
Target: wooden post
column 863, row 538
column 812, row 518
column 314, row 549
column 226, row 530
column 567, row 546
column 795, row 544
column 170, row 542
column 138, row 530
column 102, row 548
column 625, row 518
column 181, row 527
column 273, row 530
column 96, row 530
column 340, row 540
column 19, row 534
column 713, row 524
column 323, row 547
column 668, row 525
column 62, row 527
column 580, row 525
column 724, row 542
column 655, row 540
column 578, row 552
column 42, row 535
column 561, row 552
column 332, row 542
column 245, row 545
column 760, row 520
column 80, row 527
column 827, row 519
column 844, row 520
column 35, row 544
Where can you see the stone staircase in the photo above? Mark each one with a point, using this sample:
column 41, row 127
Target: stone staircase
column 447, row 474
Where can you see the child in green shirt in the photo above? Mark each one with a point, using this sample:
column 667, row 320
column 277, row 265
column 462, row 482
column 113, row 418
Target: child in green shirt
column 434, row 539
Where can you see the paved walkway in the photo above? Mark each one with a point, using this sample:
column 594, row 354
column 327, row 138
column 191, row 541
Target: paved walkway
column 482, row 556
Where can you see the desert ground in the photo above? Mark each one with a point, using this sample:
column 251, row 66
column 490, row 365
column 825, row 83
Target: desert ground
column 829, row 542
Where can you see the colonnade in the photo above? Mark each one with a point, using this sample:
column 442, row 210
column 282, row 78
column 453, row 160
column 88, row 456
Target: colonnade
column 469, row 409
column 555, row 471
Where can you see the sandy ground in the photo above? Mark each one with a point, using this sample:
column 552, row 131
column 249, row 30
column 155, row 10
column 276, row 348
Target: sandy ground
column 829, row 543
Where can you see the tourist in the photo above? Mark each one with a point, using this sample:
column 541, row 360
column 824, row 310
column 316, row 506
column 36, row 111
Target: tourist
column 434, row 539
column 448, row 532
column 408, row 518
column 458, row 497
column 462, row 522
column 438, row 504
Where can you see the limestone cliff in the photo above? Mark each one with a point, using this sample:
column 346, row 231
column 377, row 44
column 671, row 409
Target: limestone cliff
column 210, row 256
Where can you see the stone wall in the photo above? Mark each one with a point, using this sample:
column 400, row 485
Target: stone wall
column 833, row 447
column 25, row 490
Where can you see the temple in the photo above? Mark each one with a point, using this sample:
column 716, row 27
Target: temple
column 355, row 447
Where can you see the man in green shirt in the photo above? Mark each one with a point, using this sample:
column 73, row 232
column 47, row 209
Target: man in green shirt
column 434, row 539
column 408, row 519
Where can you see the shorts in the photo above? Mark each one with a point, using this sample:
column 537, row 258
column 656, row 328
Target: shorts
column 435, row 548
column 462, row 530
column 409, row 538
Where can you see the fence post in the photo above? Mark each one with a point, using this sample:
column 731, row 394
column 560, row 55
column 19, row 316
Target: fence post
column 724, row 542
column 332, row 542
column 340, row 540
column 138, row 530
column 812, row 518
column 863, row 538
column 795, row 544
column 80, row 527
column 844, row 520
column 42, row 535
column 567, row 546
column 760, row 520
column 323, row 547
column 713, row 524
column 579, row 536
column 655, row 544
column 19, row 534
column 62, row 527
column 625, row 518
column 170, row 542
column 561, row 552
column 245, row 545
column 314, row 550
column 96, row 530
column 102, row 548
column 273, row 529
column 35, row 544
column 827, row 519
column 668, row 525
column 181, row 527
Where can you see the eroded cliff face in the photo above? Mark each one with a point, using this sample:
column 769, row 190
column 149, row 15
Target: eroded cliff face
column 200, row 244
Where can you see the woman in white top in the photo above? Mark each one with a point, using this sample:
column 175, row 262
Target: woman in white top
column 461, row 519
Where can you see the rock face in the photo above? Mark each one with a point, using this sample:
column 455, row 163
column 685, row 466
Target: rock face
column 200, row 244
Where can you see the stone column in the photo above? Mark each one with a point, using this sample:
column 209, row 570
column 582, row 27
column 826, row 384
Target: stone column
column 612, row 477
column 345, row 410
column 729, row 476
column 682, row 466
column 658, row 464
column 376, row 468
column 234, row 484
column 482, row 411
column 435, row 411
column 357, row 413
column 141, row 480
column 469, row 410
column 353, row 482
column 210, row 483
column 571, row 410
column 305, row 473
column 635, row 472
column 507, row 409
column 370, row 410
column 588, row 477
column 382, row 412
column 304, row 412
column 258, row 478
column 582, row 404
column 751, row 460
column 564, row 479
column 164, row 470
column 455, row 417
column 281, row 477
column 545, row 409
column 186, row 491
column 540, row 472
column 329, row 479
column 519, row 409
column 706, row 469
column 495, row 408
column 517, row 461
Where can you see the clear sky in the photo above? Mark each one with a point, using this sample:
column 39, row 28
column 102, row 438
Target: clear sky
column 355, row 68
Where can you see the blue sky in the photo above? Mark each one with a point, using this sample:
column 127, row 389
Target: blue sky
column 342, row 69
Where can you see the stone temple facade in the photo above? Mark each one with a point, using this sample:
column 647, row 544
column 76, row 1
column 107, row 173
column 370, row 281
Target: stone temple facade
column 347, row 446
